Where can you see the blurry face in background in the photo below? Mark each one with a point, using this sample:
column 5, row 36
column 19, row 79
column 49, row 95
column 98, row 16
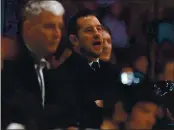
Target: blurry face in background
column 9, row 48
column 43, row 33
column 141, row 64
column 143, row 116
column 91, row 5
column 90, row 36
column 107, row 47
column 168, row 72
column 116, row 9
column 119, row 113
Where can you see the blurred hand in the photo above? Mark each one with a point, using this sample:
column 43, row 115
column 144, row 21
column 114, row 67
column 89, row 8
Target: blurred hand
column 15, row 126
column 56, row 63
column 72, row 128
column 160, row 112
column 99, row 103
column 170, row 115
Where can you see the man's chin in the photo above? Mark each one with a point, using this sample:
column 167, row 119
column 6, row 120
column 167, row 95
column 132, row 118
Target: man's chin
column 50, row 52
column 96, row 55
column 105, row 58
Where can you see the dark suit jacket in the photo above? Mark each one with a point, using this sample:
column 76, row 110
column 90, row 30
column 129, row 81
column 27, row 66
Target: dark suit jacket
column 90, row 86
column 21, row 96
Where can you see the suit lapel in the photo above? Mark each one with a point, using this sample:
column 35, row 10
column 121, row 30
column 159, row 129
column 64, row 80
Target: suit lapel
column 27, row 73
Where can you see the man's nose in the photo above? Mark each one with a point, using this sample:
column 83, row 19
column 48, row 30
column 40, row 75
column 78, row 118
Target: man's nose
column 97, row 35
column 57, row 33
column 105, row 44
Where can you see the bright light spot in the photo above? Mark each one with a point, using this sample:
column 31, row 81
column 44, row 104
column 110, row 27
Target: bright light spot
column 136, row 80
column 15, row 126
column 127, row 78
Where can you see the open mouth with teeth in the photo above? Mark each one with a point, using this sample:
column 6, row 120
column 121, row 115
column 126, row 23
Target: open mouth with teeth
column 97, row 45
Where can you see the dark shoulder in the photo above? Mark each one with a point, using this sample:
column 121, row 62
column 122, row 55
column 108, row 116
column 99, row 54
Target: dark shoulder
column 112, row 68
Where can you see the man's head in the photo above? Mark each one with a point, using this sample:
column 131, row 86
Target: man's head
column 107, row 45
column 141, row 64
column 140, row 59
column 167, row 70
column 116, row 8
column 143, row 115
column 85, row 32
column 91, row 5
column 42, row 26
column 141, row 108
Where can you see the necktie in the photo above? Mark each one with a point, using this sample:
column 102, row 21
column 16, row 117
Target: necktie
column 39, row 70
column 95, row 66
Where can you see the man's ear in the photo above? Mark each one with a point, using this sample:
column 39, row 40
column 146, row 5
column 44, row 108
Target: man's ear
column 74, row 40
column 26, row 27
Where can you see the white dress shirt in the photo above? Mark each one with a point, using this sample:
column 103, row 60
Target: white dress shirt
column 39, row 66
column 39, row 70
column 90, row 64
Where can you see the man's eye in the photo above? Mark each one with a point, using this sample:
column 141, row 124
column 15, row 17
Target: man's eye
column 109, row 41
column 88, row 30
column 61, row 27
column 49, row 26
column 100, row 29
column 145, row 110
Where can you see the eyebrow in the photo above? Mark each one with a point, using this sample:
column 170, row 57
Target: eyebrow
column 89, row 26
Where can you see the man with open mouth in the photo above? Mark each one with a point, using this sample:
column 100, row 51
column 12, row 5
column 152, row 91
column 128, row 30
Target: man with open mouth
column 91, row 78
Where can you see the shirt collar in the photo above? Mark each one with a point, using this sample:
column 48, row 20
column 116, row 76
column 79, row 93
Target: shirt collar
column 97, row 60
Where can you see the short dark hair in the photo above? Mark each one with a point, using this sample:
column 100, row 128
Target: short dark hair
column 72, row 26
column 106, row 29
column 143, row 92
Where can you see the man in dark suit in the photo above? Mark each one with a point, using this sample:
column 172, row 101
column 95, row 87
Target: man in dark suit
column 29, row 96
column 93, row 78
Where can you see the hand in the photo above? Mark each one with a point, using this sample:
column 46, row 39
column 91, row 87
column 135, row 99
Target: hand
column 15, row 126
column 169, row 115
column 54, row 62
column 65, row 55
column 99, row 103
column 72, row 128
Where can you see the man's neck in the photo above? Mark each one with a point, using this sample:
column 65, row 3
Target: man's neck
column 89, row 58
column 33, row 54
column 92, row 59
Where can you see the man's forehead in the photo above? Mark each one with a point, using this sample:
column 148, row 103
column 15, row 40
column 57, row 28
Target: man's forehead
column 88, row 17
column 45, row 17
column 146, row 105
column 88, row 21
column 105, row 33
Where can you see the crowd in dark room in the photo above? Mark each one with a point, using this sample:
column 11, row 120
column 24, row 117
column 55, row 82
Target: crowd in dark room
column 92, row 64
